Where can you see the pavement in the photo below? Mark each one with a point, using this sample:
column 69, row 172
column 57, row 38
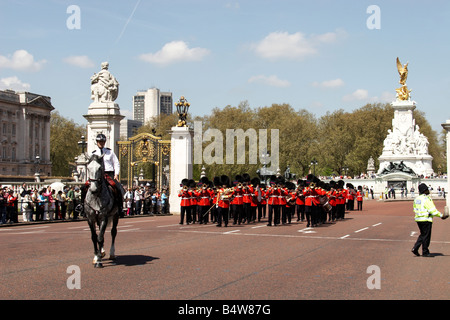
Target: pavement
column 365, row 257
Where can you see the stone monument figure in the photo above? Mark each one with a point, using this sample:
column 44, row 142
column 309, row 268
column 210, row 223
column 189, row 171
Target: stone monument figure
column 104, row 86
column 405, row 145
column 103, row 114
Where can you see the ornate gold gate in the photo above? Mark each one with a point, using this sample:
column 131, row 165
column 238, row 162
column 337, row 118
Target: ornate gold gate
column 140, row 151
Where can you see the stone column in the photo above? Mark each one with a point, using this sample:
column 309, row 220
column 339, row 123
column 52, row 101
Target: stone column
column 180, row 163
column 446, row 126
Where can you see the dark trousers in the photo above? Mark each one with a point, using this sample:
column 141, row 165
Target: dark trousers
column 237, row 212
column 185, row 211
column 359, row 205
column 274, row 214
column 202, row 216
column 300, row 212
column 287, row 214
column 222, row 214
column 424, row 237
column 261, row 211
column 311, row 213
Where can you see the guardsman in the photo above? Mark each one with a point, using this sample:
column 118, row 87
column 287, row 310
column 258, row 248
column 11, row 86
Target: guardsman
column 237, row 202
column 290, row 201
column 254, row 187
column 340, row 200
column 424, row 211
column 261, row 194
column 223, row 200
column 300, row 200
column 333, row 201
column 272, row 201
column 311, row 201
column 185, row 204
column 193, row 200
column 359, row 198
column 247, row 197
column 204, row 201
column 283, row 194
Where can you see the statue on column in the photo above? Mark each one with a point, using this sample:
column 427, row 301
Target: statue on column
column 403, row 93
column 104, row 86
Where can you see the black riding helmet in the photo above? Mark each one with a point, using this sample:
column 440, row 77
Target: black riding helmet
column 100, row 137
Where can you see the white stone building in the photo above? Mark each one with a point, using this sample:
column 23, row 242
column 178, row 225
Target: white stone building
column 25, row 133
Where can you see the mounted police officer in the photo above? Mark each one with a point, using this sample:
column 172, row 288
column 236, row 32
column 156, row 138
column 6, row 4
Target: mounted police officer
column 112, row 170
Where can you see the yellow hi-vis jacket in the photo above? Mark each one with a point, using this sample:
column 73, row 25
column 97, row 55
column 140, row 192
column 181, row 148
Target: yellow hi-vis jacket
column 424, row 209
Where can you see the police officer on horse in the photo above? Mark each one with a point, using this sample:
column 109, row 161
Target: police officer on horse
column 112, row 170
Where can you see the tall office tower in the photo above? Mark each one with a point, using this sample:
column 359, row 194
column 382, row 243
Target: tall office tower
column 151, row 103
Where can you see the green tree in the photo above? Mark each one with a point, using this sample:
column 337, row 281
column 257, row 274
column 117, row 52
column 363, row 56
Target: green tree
column 64, row 137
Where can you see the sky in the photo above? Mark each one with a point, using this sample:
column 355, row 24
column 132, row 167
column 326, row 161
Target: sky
column 320, row 55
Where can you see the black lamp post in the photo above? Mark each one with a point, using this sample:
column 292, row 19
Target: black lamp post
column 182, row 110
column 313, row 163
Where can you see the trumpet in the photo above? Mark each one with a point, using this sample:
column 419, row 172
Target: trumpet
column 225, row 194
column 239, row 185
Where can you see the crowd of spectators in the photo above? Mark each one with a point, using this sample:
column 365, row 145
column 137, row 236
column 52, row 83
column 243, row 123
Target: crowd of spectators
column 42, row 204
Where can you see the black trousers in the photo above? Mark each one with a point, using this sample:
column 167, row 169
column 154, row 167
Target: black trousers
column 222, row 214
column 424, row 237
column 202, row 216
column 300, row 212
column 237, row 211
column 274, row 214
column 185, row 210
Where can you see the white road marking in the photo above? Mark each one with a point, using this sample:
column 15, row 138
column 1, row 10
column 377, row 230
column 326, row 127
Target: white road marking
column 25, row 228
column 232, row 231
column 169, row 225
column 377, row 224
column 345, row 236
column 142, row 221
column 361, row 229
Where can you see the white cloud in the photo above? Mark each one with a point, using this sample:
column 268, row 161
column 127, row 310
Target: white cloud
column 233, row 5
column 21, row 60
column 14, row 83
column 296, row 46
column 329, row 83
column 360, row 94
column 173, row 52
column 79, row 61
column 272, row 81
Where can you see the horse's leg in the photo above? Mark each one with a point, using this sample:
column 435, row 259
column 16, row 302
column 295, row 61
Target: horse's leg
column 101, row 240
column 112, row 251
column 94, row 239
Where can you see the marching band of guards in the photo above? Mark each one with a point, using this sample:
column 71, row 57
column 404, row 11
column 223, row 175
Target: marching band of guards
column 246, row 200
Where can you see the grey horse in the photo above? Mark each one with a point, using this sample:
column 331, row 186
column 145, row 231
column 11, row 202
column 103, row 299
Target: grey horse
column 100, row 209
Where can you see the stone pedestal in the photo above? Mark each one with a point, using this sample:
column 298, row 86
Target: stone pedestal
column 181, row 160
column 446, row 126
column 103, row 117
column 405, row 142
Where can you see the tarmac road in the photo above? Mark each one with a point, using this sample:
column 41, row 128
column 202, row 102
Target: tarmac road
column 160, row 259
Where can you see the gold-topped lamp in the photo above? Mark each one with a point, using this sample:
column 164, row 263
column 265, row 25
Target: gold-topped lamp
column 182, row 110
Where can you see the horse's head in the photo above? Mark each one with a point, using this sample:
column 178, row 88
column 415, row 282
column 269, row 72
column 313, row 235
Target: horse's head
column 95, row 173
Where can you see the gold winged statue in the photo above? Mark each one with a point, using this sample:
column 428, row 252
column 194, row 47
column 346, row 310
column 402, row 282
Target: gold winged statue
column 403, row 93
column 402, row 71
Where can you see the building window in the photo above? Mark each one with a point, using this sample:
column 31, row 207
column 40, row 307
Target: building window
column 13, row 129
